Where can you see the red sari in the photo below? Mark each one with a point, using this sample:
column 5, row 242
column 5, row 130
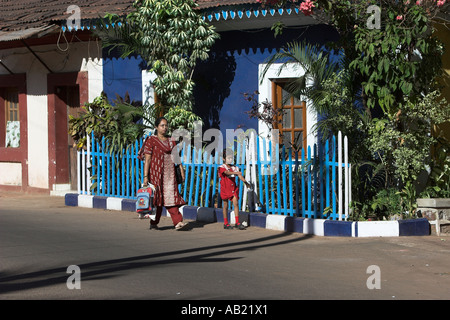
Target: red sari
column 162, row 171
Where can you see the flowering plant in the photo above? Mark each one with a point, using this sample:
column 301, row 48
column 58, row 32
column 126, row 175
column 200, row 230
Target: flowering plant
column 306, row 6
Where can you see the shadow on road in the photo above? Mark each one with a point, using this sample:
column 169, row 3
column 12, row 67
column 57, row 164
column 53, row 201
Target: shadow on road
column 10, row 282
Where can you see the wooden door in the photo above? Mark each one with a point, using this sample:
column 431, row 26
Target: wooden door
column 67, row 102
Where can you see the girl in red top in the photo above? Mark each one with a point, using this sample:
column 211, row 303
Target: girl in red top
column 228, row 188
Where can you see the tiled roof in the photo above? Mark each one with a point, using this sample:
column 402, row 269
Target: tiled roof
column 206, row 4
column 23, row 14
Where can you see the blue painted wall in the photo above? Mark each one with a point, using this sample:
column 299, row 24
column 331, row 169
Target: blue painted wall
column 231, row 70
column 121, row 76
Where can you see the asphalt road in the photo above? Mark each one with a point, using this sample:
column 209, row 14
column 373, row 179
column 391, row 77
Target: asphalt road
column 120, row 258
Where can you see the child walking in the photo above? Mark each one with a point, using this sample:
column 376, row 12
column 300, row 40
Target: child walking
column 228, row 188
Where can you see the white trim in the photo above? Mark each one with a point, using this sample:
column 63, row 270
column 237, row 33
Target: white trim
column 378, row 229
column 265, row 93
column 113, row 203
column 85, row 201
column 148, row 92
column 275, row 222
column 314, row 226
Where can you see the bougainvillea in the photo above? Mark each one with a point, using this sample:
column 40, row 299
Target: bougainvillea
column 306, row 6
column 393, row 68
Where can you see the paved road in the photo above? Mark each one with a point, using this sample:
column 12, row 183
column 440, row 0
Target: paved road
column 120, row 258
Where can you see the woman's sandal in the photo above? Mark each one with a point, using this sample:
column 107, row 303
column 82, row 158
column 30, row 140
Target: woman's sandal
column 181, row 226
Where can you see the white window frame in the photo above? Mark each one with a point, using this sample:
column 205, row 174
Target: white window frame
column 293, row 70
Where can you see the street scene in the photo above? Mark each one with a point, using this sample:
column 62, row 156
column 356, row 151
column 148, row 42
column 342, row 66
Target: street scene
column 234, row 150
column 119, row 257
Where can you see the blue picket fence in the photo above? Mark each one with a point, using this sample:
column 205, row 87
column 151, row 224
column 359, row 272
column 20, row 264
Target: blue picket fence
column 312, row 183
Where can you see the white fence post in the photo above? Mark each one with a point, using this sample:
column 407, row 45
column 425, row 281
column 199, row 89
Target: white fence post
column 349, row 185
column 346, row 195
column 340, row 175
column 78, row 172
column 83, row 169
column 83, row 172
column 88, row 165
column 250, row 173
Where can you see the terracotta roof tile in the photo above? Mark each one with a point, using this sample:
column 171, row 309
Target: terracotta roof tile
column 205, row 4
column 22, row 14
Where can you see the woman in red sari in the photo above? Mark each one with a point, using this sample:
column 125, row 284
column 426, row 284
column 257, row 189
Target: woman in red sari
column 159, row 170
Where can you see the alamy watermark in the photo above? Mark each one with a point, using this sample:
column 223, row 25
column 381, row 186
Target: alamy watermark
column 74, row 20
column 218, row 144
column 374, row 21
column 74, row 280
column 374, row 280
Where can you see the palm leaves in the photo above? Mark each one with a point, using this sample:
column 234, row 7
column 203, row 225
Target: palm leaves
column 315, row 63
column 121, row 38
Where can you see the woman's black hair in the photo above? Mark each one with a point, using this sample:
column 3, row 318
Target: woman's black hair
column 157, row 122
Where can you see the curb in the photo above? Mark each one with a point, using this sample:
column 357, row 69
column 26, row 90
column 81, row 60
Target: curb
column 318, row 227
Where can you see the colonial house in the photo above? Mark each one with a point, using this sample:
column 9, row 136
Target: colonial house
column 50, row 67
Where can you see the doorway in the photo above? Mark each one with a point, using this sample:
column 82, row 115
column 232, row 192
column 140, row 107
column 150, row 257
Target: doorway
column 67, row 93
column 67, row 103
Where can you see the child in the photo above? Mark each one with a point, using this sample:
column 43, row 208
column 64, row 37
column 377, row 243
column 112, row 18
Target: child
column 228, row 188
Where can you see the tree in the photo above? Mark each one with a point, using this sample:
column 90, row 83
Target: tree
column 394, row 67
column 170, row 36
column 399, row 60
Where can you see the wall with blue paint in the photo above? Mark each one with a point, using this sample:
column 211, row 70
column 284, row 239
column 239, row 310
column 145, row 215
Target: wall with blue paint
column 122, row 75
column 232, row 70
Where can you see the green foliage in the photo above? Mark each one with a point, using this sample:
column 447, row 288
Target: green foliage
column 336, row 105
column 179, row 118
column 438, row 185
column 409, row 196
column 398, row 62
column 386, row 202
column 115, row 123
column 277, row 28
column 315, row 63
column 386, row 99
column 170, row 36
column 403, row 144
column 121, row 124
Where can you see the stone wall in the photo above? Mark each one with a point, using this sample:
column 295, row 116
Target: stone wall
column 437, row 211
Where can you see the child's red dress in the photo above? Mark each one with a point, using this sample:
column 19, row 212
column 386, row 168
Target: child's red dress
column 228, row 187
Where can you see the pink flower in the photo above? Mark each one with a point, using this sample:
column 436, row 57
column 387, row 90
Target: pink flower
column 400, row 17
column 440, row 3
column 306, row 7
